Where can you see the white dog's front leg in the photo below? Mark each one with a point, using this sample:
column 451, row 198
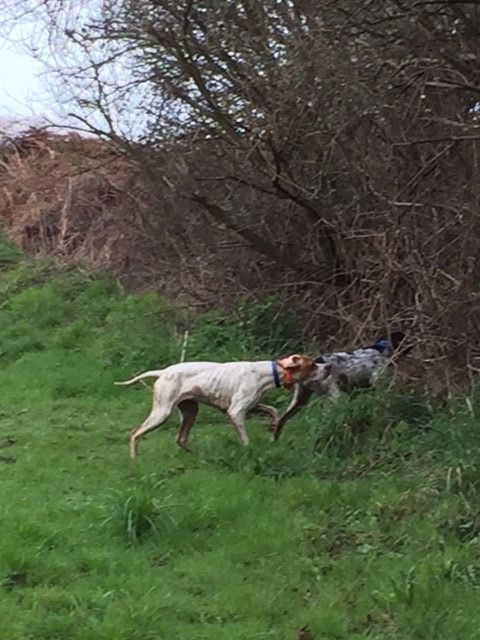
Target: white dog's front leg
column 237, row 416
column 267, row 410
column 301, row 395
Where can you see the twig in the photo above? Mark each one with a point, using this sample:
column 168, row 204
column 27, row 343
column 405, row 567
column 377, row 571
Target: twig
column 184, row 346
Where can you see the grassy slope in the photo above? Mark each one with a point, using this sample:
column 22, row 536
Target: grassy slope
column 359, row 524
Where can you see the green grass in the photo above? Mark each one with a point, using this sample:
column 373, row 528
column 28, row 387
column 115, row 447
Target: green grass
column 361, row 522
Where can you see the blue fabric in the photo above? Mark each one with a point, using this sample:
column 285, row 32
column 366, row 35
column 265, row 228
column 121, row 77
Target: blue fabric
column 276, row 377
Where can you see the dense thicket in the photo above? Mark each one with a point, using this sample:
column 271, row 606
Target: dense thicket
column 324, row 152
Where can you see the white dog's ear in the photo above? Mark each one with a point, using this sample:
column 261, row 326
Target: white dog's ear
column 292, row 362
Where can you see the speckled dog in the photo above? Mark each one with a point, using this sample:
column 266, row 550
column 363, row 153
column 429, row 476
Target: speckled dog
column 349, row 370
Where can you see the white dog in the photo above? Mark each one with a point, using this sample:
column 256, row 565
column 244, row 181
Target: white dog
column 233, row 387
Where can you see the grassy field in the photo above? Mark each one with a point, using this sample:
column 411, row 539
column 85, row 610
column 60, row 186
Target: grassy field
column 359, row 523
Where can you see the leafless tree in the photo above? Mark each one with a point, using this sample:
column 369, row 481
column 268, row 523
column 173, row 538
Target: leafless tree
column 338, row 142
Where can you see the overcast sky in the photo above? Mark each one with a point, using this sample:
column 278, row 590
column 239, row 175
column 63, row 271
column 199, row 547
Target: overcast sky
column 21, row 90
column 24, row 80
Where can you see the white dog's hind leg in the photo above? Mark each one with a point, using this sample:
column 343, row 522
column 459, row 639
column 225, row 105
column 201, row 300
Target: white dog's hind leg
column 157, row 417
column 188, row 410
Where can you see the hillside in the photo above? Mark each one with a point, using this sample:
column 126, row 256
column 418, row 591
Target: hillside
column 362, row 523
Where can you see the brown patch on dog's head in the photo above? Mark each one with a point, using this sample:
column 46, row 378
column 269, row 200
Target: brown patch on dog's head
column 298, row 366
column 290, row 362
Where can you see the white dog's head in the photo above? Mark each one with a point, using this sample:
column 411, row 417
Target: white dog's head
column 299, row 368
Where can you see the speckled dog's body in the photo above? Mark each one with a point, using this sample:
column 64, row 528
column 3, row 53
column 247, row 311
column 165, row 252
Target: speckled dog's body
column 349, row 370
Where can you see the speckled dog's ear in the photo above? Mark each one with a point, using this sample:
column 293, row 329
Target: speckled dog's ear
column 396, row 338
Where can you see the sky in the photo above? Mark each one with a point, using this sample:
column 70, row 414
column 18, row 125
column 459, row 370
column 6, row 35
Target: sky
column 22, row 92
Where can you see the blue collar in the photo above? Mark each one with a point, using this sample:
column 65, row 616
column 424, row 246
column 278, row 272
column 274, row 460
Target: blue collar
column 382, row 345
column 276, row 377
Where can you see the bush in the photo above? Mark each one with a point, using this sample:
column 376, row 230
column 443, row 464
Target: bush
column 141, row 509
column 9, row 255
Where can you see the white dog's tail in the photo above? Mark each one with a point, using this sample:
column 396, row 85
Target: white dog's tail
column 141, row 376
